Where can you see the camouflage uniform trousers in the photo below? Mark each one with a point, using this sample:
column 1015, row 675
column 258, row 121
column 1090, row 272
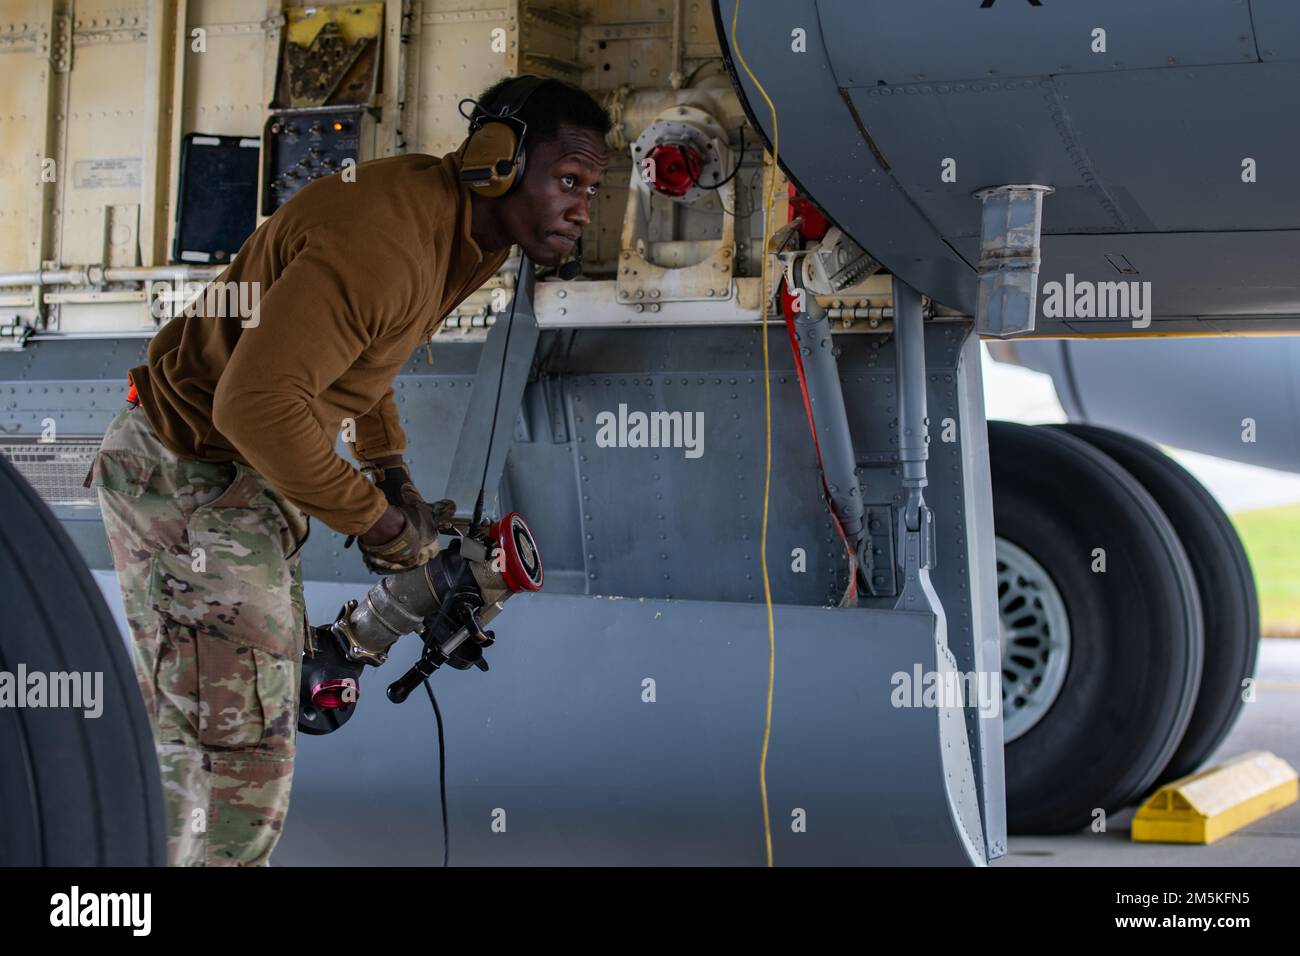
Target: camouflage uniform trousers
column 207, row 559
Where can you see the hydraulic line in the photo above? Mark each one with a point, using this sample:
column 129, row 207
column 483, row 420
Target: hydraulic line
column 913, row 416
column 828, row 486
column 817, row 356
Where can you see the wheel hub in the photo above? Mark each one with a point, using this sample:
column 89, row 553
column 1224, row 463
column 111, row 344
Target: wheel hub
column 1034, row 633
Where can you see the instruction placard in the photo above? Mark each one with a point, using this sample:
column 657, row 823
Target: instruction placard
column 121, row 173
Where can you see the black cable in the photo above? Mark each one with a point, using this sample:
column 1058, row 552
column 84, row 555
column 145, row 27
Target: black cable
column 496, row 405
column 432, row 629
column 442, row 776
column 738, row 211
column 429, row 631
column 731, row 174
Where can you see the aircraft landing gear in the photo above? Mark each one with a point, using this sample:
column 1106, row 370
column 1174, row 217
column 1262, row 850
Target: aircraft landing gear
column 1095, row 732
column 1129, row 621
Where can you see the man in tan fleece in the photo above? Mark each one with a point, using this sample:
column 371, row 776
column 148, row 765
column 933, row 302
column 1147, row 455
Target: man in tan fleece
column 207, row 478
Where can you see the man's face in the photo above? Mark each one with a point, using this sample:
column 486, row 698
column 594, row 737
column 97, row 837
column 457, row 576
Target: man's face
column 547, row 213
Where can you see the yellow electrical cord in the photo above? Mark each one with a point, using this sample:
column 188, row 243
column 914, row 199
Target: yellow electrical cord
column 767, row 469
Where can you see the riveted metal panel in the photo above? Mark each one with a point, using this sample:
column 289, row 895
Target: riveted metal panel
column 457, row 60
column 1184, row 169
column 75, row 388
column 687, row 508
column 223, row 93
column 103, row 162
column 873, row 41
column 1277, row 28
column 836, row 665
column 1263, row 262
column 630, row 41
column 575, row 493
column 75, row 406
column 24, row 64
column 971, row 124
column 824, row 145
column 1137, row 149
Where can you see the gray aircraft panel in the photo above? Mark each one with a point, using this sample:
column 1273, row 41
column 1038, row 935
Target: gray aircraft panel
column 557, row 735
column 975, row 640
column 1183, row 166
column 1129, row 147
column 578, row 373
column 1260, row 263
column 902, row 44
column 824, row 152
column 972, row 123
column 559, row 743
column 505, row 360
column 1277, row 28
column 1195, row 394
column 644, row 508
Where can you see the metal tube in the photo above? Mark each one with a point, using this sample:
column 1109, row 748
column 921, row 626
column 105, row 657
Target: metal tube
column 11, row 280
column 20, row 279
column 816, row 349
column 97, row 274
column 677, row 75
column 913, row 416
column 156, row 273
column 915, row 521
column 397, row 605
column 401, row 602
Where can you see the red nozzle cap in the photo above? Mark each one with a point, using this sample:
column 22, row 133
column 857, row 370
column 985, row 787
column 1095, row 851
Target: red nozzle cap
column 521, row 562
column 333, row 694
column 676, row 168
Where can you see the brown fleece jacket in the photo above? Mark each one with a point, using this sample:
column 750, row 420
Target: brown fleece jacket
column 353, row 277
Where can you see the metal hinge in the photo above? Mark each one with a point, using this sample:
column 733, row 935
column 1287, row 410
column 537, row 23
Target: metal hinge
column 877, row 555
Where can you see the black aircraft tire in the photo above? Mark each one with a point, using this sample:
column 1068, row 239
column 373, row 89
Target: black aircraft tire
column 75, row 790
column 1224, row 580
column 1136, row 638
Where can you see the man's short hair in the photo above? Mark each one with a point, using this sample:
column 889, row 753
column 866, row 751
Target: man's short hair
column 553, row 102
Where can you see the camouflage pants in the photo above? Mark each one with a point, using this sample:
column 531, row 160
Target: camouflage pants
column 207, row 559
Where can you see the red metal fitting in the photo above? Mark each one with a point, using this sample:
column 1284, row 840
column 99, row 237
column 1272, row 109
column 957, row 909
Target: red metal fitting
column 814, row 224
column 676, row 168
column 521, row 562
column 333, row 694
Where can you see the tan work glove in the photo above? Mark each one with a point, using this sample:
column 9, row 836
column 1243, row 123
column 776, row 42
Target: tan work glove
column 417, row 542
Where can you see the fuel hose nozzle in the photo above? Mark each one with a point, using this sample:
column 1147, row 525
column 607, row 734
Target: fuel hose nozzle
column 447, row 601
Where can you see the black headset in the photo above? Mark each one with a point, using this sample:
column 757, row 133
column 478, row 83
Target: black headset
column 493, row 155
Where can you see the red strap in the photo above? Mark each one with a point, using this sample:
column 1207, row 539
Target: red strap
column 132, row 396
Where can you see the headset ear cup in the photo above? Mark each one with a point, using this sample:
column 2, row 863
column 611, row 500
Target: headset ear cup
column 517, row 175
column 496, row 139
column 490, row 149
